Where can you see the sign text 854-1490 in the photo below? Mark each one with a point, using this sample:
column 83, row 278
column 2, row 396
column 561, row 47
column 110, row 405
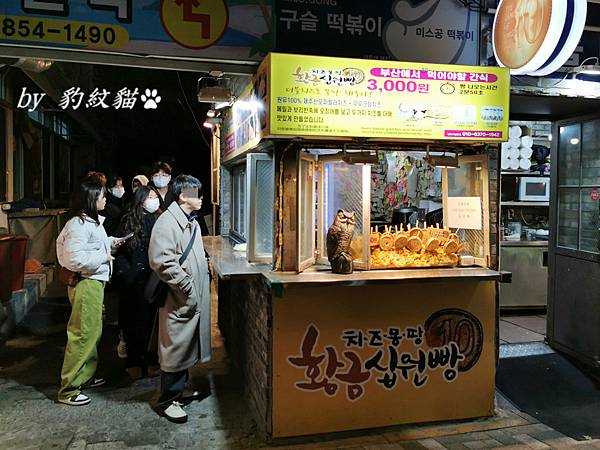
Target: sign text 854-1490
column 59, row 31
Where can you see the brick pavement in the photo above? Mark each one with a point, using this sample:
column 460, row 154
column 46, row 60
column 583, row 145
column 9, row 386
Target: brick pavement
column 120, row 415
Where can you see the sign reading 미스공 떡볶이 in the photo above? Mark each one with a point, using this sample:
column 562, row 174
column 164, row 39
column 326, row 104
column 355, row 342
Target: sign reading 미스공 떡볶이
column 339, row 97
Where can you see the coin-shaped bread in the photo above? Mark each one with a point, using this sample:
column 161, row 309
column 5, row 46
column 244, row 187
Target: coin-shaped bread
column 414, row 244
column 415, row 232
column 386, row 241
column 454, row 237
column 451, row 247
column 432, row 244
column 401, row 240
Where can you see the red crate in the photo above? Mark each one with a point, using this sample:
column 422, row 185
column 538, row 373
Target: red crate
column 12, row 264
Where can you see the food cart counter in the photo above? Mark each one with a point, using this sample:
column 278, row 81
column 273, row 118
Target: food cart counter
column 337, row 324
column 323, row 352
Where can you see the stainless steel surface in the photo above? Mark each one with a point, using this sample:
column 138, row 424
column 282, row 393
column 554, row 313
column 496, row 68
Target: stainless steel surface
column 322, row 276
column 525, row 204
column 529, row 285
column 524, row 244
column 227, row 262
column 230, row 264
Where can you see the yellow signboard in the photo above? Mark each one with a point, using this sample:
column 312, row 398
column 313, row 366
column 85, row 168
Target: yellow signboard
column 339, row 97
column 412, row 353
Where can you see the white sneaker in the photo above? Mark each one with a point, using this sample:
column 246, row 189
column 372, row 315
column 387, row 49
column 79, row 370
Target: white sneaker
column 76, row 400
column 175, row 413
column 122, row 349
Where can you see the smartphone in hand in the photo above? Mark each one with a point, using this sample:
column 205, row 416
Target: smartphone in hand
column 121, row 240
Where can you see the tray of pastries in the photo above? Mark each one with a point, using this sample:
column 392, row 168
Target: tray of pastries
column 399, row 248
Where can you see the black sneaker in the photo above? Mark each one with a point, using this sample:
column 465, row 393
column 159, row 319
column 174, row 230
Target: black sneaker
column 93, row 383
column 76, row 400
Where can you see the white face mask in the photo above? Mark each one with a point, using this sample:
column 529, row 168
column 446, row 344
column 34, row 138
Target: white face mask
column 118, row 191
column 161, row 181
column 151, row 205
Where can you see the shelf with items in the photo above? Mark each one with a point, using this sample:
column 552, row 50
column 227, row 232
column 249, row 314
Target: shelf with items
column 523, row 243
column 525, row 204
column 523, row 173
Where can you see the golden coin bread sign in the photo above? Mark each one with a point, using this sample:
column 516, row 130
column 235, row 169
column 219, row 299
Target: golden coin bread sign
column 536, row 37
column 194, row 24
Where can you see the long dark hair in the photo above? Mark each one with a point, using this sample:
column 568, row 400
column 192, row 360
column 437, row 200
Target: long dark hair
column 84, row 200
column 133, row 219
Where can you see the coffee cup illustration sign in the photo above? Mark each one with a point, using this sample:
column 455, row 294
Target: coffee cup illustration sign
column 536, row 37
column 194, row 24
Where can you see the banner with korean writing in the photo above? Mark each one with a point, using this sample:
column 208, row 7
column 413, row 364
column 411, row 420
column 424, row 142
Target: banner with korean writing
column 359, row 357
column 337, row 97
column 232, row 29
column 445, row 32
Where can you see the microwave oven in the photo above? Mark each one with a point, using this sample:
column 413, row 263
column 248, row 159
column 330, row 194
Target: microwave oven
column 534, row 189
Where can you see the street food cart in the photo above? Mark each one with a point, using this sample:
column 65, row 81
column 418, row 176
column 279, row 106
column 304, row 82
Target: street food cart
column 411, row 334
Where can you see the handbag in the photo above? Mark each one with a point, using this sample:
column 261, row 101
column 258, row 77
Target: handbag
column 155, row 291
column 68, row 277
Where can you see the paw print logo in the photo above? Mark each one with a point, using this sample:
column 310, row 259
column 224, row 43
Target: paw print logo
column 151, row 99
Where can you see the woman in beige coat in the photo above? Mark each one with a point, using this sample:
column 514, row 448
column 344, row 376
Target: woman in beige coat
column 184, row 320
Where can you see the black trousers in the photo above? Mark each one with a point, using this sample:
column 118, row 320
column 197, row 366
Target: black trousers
column 172, row 385
column 136, row 319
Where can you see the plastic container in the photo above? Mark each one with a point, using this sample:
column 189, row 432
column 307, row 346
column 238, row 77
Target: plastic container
column 12, row 264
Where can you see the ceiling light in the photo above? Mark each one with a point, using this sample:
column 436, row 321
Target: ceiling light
column 222, row 105
column 211, row 113
column 210, row 122
column 33, row 64
column 574, row 141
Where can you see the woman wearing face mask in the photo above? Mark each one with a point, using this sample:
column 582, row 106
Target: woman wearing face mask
column 161, row 180
column 136, row 315
column 114, row 206
column 83, row 247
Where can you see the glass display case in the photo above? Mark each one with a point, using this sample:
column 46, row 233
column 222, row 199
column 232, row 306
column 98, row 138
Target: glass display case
column 327, row 184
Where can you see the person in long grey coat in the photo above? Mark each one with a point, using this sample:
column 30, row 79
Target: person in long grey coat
column 184, row 320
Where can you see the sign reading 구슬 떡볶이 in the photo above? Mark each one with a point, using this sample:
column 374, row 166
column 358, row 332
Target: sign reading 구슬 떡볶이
column 338, row 97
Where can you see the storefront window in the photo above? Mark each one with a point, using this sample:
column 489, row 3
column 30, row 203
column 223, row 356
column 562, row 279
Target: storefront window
column 568, row 217
column 238, row 207
column 579, row 187
column 569, row 168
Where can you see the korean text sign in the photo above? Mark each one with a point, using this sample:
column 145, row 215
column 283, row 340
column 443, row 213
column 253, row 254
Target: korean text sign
column 378, row 355
column 184, row 28
column 338, row 97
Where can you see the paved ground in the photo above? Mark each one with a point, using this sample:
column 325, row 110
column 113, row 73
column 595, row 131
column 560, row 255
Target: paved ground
column 120, row 415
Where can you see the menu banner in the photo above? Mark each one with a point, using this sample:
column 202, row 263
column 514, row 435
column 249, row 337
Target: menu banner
column 339, row 97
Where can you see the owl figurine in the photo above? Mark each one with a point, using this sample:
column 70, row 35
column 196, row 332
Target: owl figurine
column 339, row 238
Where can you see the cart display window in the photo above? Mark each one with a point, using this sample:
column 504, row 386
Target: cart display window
column 344, row 187
column 261, row 189
column 466, row 206
column 306, row 211
column 238, row 200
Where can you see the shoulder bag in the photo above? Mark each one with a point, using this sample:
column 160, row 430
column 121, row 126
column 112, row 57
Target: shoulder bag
column 155, row 291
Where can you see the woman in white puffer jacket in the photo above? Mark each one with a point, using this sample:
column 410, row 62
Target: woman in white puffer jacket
column 84, row 248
